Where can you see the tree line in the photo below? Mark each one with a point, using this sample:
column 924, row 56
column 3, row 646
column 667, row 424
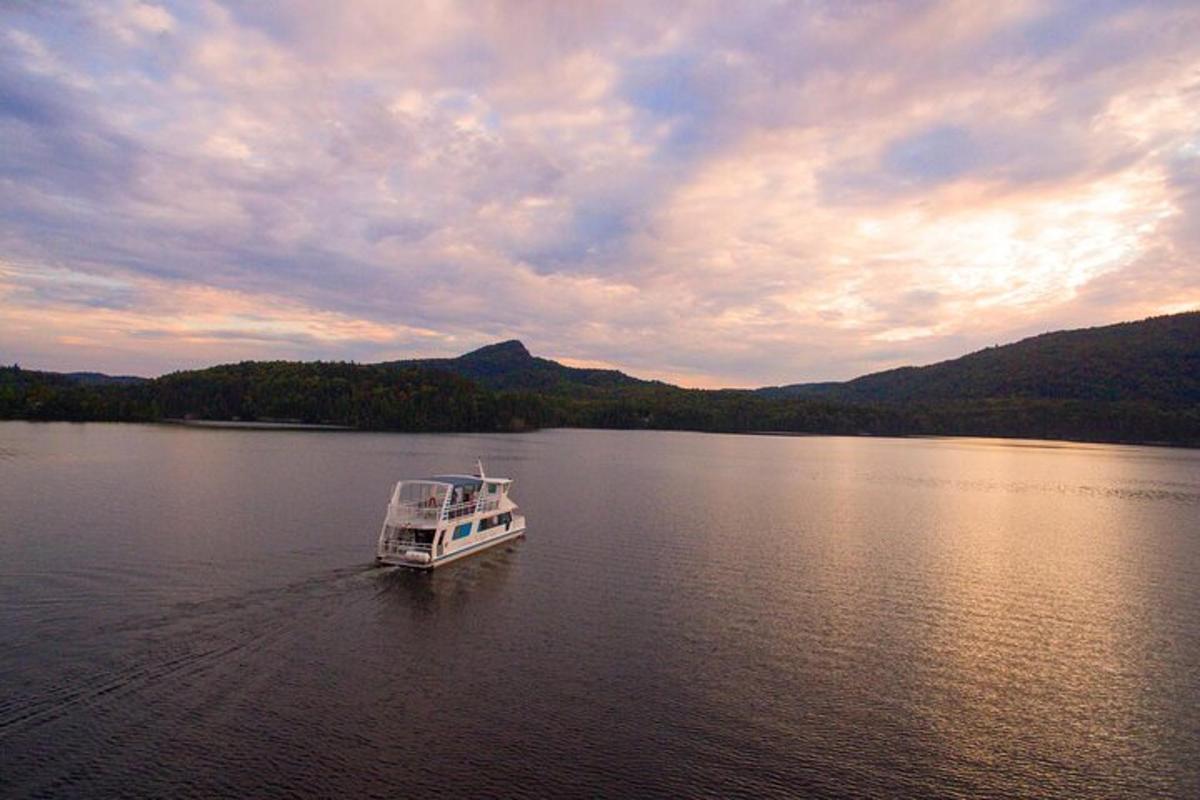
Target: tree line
column 385, row 397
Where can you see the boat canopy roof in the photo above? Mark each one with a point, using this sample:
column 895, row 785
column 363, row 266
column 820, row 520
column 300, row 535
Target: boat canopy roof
column 467, row 480
column 458, row 480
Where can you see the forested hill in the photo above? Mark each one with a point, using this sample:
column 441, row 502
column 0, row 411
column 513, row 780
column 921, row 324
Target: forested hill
column 1156, row 360
column 100, row 379
column 366, row 396
column 1138, row 382
column 509, row 365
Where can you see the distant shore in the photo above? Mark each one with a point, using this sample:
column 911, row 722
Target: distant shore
column 265, row 426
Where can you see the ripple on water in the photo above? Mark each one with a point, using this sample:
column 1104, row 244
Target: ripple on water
column 689, row 616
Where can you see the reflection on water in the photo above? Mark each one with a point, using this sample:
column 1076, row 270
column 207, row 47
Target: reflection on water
column 452, row 589
column 194, row 614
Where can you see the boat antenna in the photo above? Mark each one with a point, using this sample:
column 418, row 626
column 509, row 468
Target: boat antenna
column 479, row 465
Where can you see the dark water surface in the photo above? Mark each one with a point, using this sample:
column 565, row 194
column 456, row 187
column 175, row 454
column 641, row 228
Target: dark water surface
column 193, row 613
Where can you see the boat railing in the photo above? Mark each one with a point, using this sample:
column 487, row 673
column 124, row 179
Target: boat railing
column 400, row 548
column 417, row 512
column 422, row 512
column 470, row 507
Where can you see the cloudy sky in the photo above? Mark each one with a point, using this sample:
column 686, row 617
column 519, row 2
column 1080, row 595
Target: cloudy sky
column 726, row 194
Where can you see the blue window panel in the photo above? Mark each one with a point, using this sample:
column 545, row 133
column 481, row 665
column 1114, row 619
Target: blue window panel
column 462, row 531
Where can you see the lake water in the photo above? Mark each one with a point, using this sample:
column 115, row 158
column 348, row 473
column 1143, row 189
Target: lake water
column 195, row 613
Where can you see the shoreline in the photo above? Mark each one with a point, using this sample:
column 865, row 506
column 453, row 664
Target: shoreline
column 303, row 426
column 252, row 426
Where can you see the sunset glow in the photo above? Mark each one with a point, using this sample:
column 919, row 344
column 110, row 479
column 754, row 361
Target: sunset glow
column 800, row 192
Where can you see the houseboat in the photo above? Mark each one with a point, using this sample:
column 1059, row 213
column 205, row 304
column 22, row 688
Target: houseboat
column 437, row 520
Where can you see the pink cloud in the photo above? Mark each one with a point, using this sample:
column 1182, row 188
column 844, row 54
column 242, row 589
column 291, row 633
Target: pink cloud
column 715, row 195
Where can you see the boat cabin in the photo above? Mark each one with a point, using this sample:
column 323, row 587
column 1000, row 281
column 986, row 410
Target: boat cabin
column 436, row 518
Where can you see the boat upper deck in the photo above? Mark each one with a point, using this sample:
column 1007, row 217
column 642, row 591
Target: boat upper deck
column 427, row 502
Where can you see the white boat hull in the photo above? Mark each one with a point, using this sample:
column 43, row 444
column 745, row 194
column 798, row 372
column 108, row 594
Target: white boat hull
column 434, row 521
column 422, row 560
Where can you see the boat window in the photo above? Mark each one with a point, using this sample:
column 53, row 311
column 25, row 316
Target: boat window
column 421, row 493
column 462, row 531
column 492, row 488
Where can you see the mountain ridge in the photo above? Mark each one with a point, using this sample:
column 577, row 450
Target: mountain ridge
column 508, row 365
column 1135, row 382
column 1155, row 359
column 1077, row 363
